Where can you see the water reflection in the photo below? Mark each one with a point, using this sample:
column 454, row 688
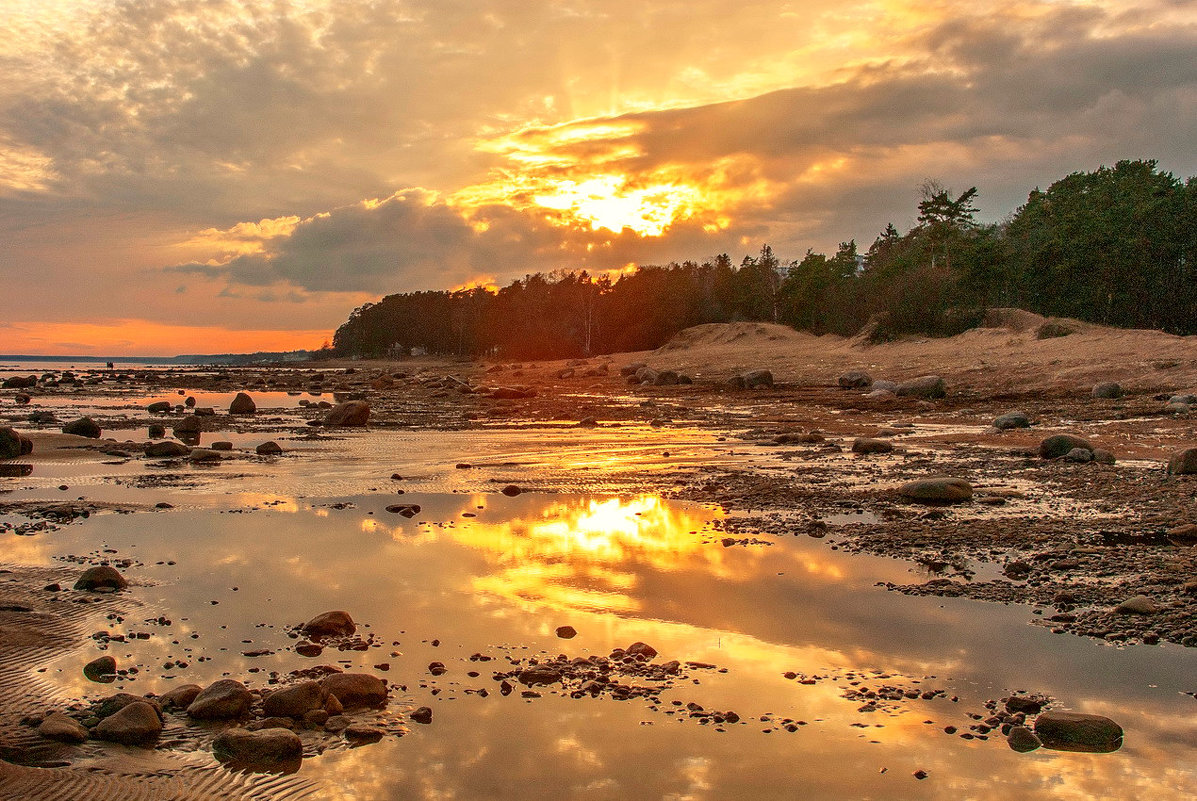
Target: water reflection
column 619, row 570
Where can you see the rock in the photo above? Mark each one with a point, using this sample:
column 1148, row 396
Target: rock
column 135, row 724
column 631, row 369
column 588, row 422
column 221, row 700
column 1102, row 456
column 156, row 431
column 189, row 402
column 1183, row 463
column 166, row 450
column 421, row 715
column 512, row 393
column 10, row 443
column 100, row 577
column 408, row 510
column 26, row 445
column 180, row 697
column 158, row 407
column 735, row 382
column 101, row 669
column 203, row 455
column 58, row 726
column 1137, row 605
column 309, row 649
column 243, row 404
column 867, row 445
column 20, row 382
column 1028, row 706
column 83, row 427
column 1078, row 455
column 1060, row 444
column 757, row 378
column 294, row 702
column 1183, row 400
column 336, row 623
column 539, row 674
column 940, row 489
column 641, row 649
column 567, row 632
column 188, row 425
column 1022, row 740
column 222, row 445
column 855, row 379
column 349, row 413
column 263, row 748
column 1074, row 731
column 1011, row 420
column 1107, row 390
column 511, row 490
column 928, row 386
column 118, row 701
column 361, row 734
column 881, row 394
column 1183, row 536
column 204, row 411
column 270, row 448
column 356, row 689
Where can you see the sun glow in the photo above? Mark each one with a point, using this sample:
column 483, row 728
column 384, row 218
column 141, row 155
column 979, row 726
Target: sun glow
column 613, row 203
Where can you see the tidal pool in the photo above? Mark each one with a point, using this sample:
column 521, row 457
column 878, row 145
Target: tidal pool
column 483, row 573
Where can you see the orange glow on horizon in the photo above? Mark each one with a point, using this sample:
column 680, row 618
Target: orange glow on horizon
column 148, row 338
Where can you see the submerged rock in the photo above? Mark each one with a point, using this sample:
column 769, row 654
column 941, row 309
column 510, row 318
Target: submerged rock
column 356, row 689
column 101, row 577
column 268, row 748
column 1022, row 740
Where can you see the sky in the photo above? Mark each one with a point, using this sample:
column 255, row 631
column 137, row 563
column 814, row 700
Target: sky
column 209, row 176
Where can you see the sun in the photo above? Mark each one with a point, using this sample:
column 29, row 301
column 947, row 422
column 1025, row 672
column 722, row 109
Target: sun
column 613, row 203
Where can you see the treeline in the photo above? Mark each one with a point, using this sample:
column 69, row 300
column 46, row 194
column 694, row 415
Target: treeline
column 1116, row 246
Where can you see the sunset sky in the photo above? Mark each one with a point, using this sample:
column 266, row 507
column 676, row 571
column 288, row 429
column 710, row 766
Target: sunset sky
column 205, row 176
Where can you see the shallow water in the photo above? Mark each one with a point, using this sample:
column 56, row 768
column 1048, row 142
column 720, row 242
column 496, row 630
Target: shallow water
column 274, row 541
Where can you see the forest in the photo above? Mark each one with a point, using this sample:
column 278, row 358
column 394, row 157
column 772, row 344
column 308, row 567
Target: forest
column 1116, row 246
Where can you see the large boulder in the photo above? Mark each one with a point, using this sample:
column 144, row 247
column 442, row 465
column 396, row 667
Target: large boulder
column 356, row 689
column 10, row 443
column 101, row 577
column 1011, row 420
column 221, row 700
column 349, row 413
column 188, row 426
column 1061, row 445
column 1074, row 731
column 330, row 624
column 868, row 445
column 83, row 427
column 180, row 697
column 855, row 379
column 1107, row 390
column 294, row 702
column 158, row 407
column 1183, row 463
column 135, row 724
column 275, row 748
column 270, row 448
column 242, row 404
column 940, row 489
column 166, row 449
column 927, row 386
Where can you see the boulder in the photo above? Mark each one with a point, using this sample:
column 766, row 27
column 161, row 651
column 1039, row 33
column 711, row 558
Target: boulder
column 101, row 577
column 641, row 649
column 270, row 448
column 135, row 724
column 243, row 404
column 157, row 431
column 10, row 443
column 539, row 674
column 1183, row 536
column 294, row 702
column 855, row 379
column 758, row 378
column 356, row 689
column 57, row 726
column 512, row 393
column 867, row 445
column 222, row 445
column 567, row 632
column 1183, row 463
column 511, row 490
column 83, row 427
column 1011, row 420
column 221, row 700
column 1137, row 605
column 1102, row 456
column 1074, row 731
column 180, row 697
column 1107, row 390
column 630, row 369
column 927, row 386
column 166, row 450
column 421, row 715
column 330, row 624
column 269, row 748
column 204, row 455
column 1061, row 444
column 118, row 701
column 349, row 413
column 1078, row 456
column 189, row 425
column 362, row 734
column 158, row 407
column 101, row 669
column 940, row 489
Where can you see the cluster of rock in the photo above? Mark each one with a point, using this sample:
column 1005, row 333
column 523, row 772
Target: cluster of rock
column 928, row 387
column 640, row 374
column 1072, row 448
